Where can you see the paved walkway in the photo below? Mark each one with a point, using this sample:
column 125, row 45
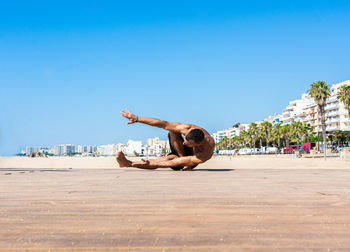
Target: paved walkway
column 207, row 210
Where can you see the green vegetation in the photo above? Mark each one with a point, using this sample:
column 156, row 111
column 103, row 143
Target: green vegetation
column 320, row 91
column 266, row 134
column 278, row 136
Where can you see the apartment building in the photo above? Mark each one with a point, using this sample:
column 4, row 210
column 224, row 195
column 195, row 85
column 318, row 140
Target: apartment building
column 32, row 149
column 337, row 117
column 230, row 132
column 156, row 147
column 306, row 110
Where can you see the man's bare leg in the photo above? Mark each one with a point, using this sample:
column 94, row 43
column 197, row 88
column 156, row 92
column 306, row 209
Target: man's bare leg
column 124, row 162
column 177, row 142
column 165, row 158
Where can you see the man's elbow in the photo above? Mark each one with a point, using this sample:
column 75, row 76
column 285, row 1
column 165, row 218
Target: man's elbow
column 165, row 124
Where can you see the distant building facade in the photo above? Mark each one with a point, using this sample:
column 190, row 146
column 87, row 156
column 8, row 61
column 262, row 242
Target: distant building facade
column 156, row 147
column 306, row 110
column 303, row 110
column 133, row 147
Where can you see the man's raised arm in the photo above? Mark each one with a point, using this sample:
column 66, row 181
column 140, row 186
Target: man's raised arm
column 171, row 126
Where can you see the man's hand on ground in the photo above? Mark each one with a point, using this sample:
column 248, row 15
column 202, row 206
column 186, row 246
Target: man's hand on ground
column 127, row 114
column 145, row 161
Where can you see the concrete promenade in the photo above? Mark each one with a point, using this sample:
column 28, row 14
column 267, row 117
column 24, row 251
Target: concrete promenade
column 244, row 204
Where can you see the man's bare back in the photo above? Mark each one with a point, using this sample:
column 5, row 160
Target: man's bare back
column 196, row 147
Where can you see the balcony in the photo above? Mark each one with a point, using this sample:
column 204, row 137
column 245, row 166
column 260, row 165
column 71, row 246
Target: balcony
column 333, row 113
column 332, row 106
column 332, row 120
column 287, row 109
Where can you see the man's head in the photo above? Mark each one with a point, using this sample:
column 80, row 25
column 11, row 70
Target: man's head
column 194, row 138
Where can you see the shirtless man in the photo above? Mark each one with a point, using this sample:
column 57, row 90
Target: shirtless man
column 197, row 147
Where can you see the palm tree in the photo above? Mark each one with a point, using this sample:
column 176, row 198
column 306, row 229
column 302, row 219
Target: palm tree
column 240, row 139
column 285, row 130
column 320, row 91
column 339, row 135
column 344, row 97
column 260, row 135
column 235, row 141
column 222, row 144
column 244, row 136
column 277, row 130
column 296, row 128
column 225, row 141
column 253, row 130
column 267, row 128
column 307, row 131
column 248, row 138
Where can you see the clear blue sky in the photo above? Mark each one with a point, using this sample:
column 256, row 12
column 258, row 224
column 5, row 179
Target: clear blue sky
column 68, row 67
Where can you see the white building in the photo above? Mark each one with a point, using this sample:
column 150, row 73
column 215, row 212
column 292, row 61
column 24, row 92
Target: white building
column 273, row 119
column 219, row 135
column 133, row 148
column 230, row 132
column 337, row 117
column 295, row 111
column 64, row 149
column 156, row 147
column 80, row 149
column 33, row 149
column 306, row 110
column 86, row 148
column 107, row 150
column 120, row 147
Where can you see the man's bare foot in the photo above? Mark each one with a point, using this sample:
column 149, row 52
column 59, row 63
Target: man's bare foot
column 122, row 161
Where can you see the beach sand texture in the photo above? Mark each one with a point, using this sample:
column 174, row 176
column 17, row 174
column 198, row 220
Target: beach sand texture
column 260, row 203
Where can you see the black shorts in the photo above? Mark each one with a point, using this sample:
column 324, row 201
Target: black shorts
column 188, row 152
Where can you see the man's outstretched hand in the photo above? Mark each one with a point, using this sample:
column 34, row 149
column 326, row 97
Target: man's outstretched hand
column 127, row 114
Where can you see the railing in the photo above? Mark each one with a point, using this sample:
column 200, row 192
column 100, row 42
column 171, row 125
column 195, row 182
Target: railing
column 335, row 113
column 334, row 120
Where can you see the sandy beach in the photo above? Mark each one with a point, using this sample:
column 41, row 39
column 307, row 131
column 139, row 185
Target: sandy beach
column 259, row 203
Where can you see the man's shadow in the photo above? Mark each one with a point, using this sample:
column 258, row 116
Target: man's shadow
column 226, row 170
